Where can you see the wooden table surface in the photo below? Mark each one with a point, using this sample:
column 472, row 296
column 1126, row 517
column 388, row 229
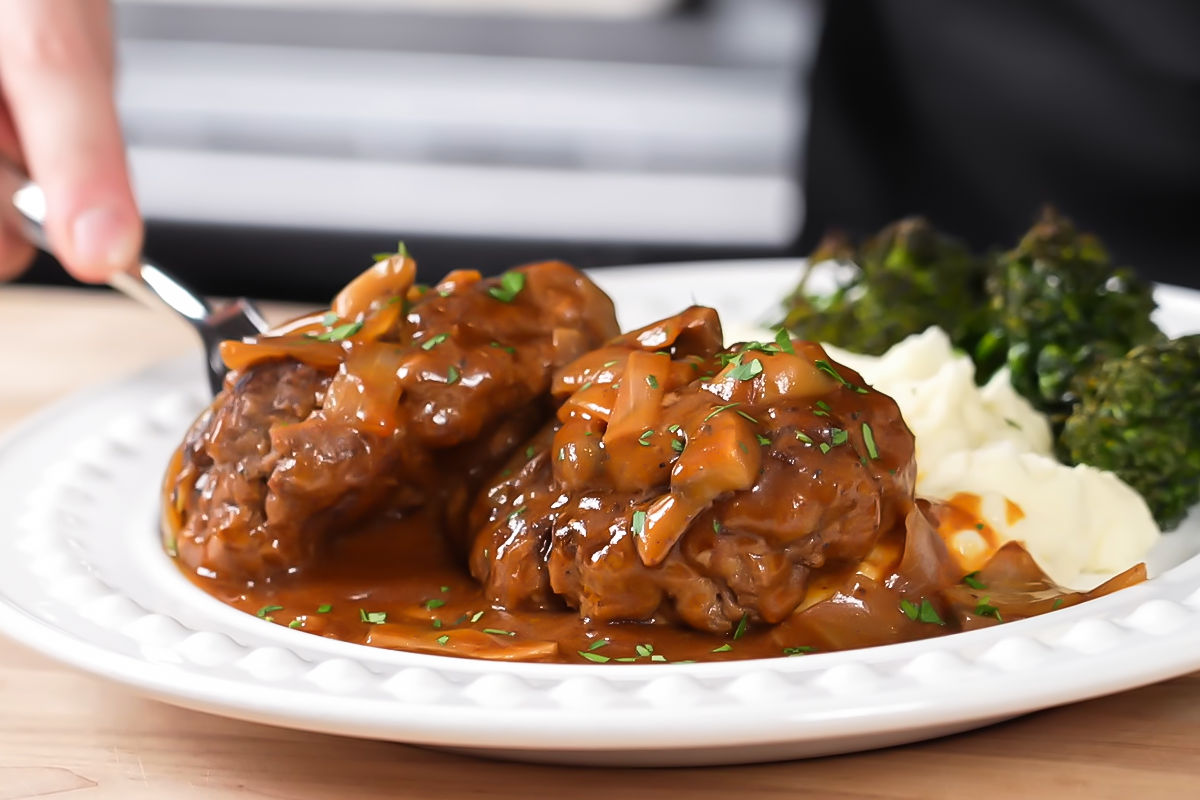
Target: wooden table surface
column 65, row 733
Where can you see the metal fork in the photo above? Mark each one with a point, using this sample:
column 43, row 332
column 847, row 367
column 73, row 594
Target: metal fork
column 24, row 201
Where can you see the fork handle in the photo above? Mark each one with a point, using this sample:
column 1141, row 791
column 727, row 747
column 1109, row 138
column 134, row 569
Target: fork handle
column 144, row 282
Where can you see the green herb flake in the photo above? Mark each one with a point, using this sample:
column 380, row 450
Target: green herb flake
column 838, row 436
column 529, row 451
column 296, row 623
column 517, row 512
column 437, row 623
column 803, row 650
column 451, row 375
column 743, row 623
column 644, row 650
column 626, row 659
column 434, row 341
column 372, row 617
column 674, row 429
column 443, row 639
column 476, row 616
column 596, row 645
column 505, row 348
column 983, row 609
column 586, row 386
column 802, row 436
column 677, row 445
column 329, row 320
column 639, row 523
column 972, row 579
column 925, row 612
column 266, row 611
column 599, row 659
column 746, row 370
column 1058, row 603
column 644, row 439
column 445, row 588
column 743, row 447
column 511, row 284
column 340, row 332
column 979, row 526
column 725, row 648
column 763, row 440
column 783, row 340
column 825, row 448
column 821, row 404
column 744, row 415
column 657, row 657
column 869, row 440
column 719, row 409
column 612, row 363
column 324, row 608
column 652, row 381
column 434, row 603
column 498, row 632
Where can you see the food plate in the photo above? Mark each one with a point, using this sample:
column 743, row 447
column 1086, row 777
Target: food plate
column 83, row 580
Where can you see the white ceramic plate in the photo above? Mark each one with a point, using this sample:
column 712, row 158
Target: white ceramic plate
column 83, row 580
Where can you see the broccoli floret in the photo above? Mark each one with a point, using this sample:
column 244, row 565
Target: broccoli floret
column 905, row 279
column 1058, row 307
column 1139, row 416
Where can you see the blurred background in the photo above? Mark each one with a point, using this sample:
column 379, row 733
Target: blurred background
column 276, row 144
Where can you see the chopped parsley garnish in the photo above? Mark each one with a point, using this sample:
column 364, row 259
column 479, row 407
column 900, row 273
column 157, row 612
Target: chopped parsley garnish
column 979, row 526
column 983, row 609
column 445, row 588
column 435, row 603
column 437, row 623
column 725, row 359
column 745, row 371
column 802, row 436
column 803, row 650
column 451, row 375
column 826, row 367
column 529, row 451
column 612, row 363
column 869, row 440
column 677, row 445
column 329, row 320
column 972, row 579
column 743, row 623
column 596, row 645
column 644, row 439
column 652, row 381
column 763, row 440
column 639, row 523
column 744, row 415
column 657, row 657
column 586, row 386
column 838, row 436
column 716, row 526
column 825, row 448
column 783, row 340
column 743, row 447
column 340, row 332
column 475, row 617
column 373, row 617
column 517, row 512
column 324, row 608
column 644, row 649
column 674, row 429
column 821, row 404
column 296, row 623
column 443, row 639
column 505, row 348
column 1058, row 601
column 266, row 611
column 401, row 251
column 599, row 659
column 725, row 648
column 925, row 612
column 434, row 341
column 498, row 632
column 511, row 284
column 719, row 409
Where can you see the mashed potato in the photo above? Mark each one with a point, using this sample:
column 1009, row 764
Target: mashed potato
column 989, row 442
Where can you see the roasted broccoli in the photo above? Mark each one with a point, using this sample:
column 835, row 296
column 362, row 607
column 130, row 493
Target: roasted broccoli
column 905, row 279
column 1058, row 307
column 1139, row 416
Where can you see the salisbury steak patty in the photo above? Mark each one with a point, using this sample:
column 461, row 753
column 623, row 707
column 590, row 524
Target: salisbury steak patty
column 400, row 397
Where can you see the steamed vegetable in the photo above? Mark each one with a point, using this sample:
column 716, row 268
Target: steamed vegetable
column 1058, row 307
column 902, row 281
column 1139, row 416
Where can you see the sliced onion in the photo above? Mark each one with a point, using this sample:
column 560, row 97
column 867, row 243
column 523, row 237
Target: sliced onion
column 365, row 394
column 242, row 355
column 391, row 277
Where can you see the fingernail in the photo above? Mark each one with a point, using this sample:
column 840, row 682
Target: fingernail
column 104, row 240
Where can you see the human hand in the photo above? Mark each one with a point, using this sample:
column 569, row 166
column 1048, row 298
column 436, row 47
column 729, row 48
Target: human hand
column 58, row 120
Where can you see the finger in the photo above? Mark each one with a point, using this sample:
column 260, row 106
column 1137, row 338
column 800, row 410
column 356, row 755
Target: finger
column 15, row 254
column 60, row 97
